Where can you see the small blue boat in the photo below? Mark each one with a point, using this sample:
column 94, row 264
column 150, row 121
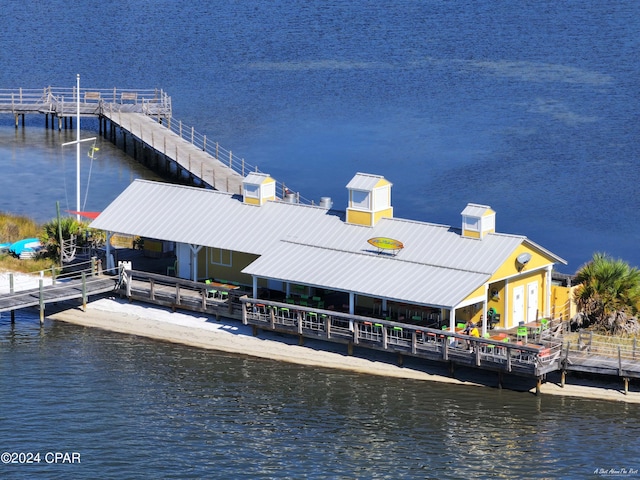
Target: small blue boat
column 26, row 247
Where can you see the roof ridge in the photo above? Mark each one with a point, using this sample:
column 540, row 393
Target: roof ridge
column 413, row 262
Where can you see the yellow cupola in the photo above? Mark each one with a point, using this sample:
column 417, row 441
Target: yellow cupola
column 369, row 199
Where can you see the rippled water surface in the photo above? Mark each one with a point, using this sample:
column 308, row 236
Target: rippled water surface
column 135, row 407
column 530, row 107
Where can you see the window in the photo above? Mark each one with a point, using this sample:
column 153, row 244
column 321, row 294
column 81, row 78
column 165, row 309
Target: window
column 360, row 199
column 219, row 256
column 251, row 191
column 471, row 223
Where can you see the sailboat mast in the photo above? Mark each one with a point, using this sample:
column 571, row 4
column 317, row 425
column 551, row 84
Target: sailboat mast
column 78, row 149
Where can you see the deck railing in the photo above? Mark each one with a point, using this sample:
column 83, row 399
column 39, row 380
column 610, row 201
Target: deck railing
column 402, row 338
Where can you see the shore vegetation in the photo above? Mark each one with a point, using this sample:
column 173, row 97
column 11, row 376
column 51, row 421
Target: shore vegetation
column 607, row 296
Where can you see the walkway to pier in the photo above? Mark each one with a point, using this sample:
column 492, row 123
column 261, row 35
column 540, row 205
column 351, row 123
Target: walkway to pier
column 77, row 285
column 188, row 157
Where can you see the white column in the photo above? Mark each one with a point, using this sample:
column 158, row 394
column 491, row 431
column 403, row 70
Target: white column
column 255, row 287
column 485, row 318
column 110, row 262
column 507, row 314
column 352, row 303
column 547, row 286
column 194, row 249
column 452, row 319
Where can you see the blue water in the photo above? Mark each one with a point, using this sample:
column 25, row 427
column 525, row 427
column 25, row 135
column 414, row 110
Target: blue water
column 530, row 107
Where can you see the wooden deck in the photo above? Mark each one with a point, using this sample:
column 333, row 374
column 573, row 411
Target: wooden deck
column 336, row 327
column 76, row 288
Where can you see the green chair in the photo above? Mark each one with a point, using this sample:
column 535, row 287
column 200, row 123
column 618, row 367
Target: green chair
column 488, row 347
column 173, row 269
column 461, row 325
column 522, row 333
column 544, row 323
column 211, row 293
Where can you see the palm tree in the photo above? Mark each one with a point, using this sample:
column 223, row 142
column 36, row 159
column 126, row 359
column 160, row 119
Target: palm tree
column 50, row 236
column 608, row 294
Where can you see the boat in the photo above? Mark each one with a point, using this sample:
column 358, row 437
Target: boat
column 26, row 248
column 4, row 248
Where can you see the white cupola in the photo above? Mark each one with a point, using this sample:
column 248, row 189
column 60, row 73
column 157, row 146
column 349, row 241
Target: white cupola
column 258, row 188
column 477, row 221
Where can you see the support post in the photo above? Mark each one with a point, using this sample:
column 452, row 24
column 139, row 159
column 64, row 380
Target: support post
column 41, row 300
column 13, row 312
column 84, row 292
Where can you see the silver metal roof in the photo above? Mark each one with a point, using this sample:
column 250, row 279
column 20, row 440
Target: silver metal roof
column 475, row 210
column 313, row 245
column 379, row 276
column 364, row 181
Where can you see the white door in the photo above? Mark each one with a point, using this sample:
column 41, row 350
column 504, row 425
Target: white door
column 518, row 306
column 532, row 301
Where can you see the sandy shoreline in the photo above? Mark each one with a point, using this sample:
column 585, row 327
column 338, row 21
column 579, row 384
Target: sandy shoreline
column 232, row 337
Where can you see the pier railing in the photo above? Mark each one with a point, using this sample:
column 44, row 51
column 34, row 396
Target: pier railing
column 227, row 157
column 64, row 101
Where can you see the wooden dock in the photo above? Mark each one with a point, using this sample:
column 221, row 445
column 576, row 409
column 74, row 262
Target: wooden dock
column 81, row 286
column 144, row 120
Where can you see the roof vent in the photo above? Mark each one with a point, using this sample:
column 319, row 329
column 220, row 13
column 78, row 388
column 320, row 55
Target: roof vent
column 326, row 202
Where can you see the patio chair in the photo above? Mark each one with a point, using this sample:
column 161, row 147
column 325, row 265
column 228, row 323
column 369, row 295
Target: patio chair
column 522, row 333
column 211, row 293
column 172, row 269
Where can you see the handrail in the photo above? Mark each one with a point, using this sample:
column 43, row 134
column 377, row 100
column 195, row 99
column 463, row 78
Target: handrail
column 238, row 165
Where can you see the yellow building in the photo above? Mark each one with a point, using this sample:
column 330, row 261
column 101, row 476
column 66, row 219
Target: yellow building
column 377, row 263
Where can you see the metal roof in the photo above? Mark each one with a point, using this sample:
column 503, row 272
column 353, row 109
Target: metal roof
column 475, row 210
column 365, row 181
column 313, row 245
column 379, row 276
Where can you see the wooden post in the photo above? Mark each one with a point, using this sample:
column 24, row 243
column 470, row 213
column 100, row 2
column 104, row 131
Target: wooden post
column 400, row 360
column 538, row 385
column 563, row 375
column 350, row 348
column 626, row 385
column 13, row 312
column 41, row 299
column 84, row 292
column 500, row 379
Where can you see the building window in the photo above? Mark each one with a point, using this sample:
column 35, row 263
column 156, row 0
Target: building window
column 360, row 199
column 251, row 191
column 219, row 256
column 471, row 223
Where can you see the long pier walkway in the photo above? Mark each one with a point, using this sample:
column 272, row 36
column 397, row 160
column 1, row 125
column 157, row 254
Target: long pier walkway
column 144, row 118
